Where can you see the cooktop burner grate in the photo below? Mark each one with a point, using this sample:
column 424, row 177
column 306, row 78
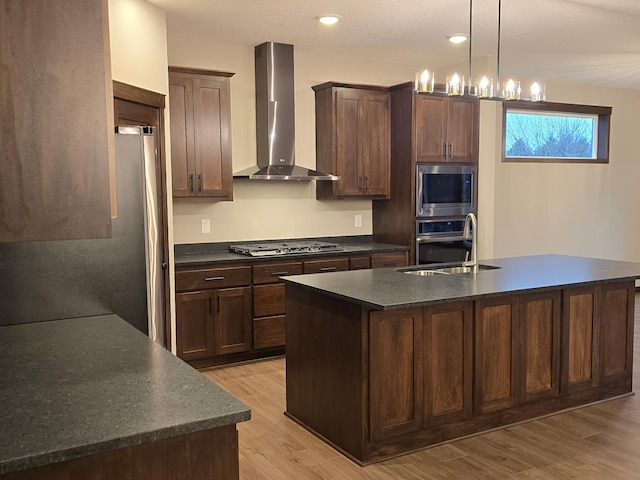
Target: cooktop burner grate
column 283, row 248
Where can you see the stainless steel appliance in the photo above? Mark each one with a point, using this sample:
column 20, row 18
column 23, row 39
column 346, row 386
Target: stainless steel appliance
column 275, row 118
column 445, row 190
column 274, row 249
column 52, row 280
column 441, row 241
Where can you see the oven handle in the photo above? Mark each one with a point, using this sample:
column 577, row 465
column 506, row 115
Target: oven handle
column 419, row 197
column 428, row 239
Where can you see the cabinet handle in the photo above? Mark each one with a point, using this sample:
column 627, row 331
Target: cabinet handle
column 277, row 274
column 192, row 182
column 366, row 184
column 208, row 279
column 360, row 183
column 451, row 150
column 211, row 305
column 327, row 269
column 200, row 182
column 446, row 150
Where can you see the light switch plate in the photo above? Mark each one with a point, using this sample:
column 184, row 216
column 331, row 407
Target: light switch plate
column 358, row 221
column 206, row 225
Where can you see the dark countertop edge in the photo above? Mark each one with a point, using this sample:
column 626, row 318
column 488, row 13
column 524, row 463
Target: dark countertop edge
column 226, row 257
column 299, row 280
column 73, row 450
column 453, row 299
column 72, row 453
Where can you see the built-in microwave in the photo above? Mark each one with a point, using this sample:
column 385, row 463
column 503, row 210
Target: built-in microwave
column 445, row 190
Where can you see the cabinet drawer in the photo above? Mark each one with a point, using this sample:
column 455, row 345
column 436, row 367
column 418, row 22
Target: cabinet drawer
column 271, row 273
column 212, row 278
column 329, row 265
column 268, row 300
column 268, row 332
column 385, row 260
column 359, row 263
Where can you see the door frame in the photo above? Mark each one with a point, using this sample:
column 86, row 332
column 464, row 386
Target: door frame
column 148, row 98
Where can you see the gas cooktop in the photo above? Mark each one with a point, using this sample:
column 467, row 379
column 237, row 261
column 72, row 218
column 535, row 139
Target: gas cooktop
column 276, row 249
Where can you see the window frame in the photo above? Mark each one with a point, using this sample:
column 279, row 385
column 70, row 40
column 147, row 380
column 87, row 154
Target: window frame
column 603, row 129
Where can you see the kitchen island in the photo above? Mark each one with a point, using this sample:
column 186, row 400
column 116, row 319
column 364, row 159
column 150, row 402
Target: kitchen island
column 383, row 362
column 93, row 397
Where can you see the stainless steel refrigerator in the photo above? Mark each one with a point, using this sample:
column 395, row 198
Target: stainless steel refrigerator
column 42, row 281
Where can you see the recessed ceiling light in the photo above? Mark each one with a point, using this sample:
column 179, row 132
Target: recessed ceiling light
column 458, row 38
column 329, row 19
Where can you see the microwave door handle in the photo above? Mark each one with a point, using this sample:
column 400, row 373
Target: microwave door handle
column 420, row 211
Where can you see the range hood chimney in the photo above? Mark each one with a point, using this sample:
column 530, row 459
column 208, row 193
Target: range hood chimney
column 275, row 118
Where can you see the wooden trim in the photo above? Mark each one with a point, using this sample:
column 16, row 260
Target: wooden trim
column 322, row 86
column 200, row 71
column 130, row 93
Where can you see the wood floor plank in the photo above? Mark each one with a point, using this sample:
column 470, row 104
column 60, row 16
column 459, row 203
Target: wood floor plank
column 599, row 442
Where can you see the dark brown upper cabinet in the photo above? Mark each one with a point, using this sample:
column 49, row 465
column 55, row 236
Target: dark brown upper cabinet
column 200, row 112
column 446, row 129
column 353, row 140
column 56, row 129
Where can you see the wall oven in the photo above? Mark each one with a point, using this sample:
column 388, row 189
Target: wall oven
column 441, row 241
column 445, row 190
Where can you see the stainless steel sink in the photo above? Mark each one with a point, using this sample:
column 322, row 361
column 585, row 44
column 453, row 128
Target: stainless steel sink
column 441, row 270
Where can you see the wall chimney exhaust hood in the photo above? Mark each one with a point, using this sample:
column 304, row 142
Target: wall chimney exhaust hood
column 275, row 119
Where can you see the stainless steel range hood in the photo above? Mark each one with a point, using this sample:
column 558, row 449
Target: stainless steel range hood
column 275, row 118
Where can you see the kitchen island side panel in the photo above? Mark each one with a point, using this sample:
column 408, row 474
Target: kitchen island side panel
column 325, row 373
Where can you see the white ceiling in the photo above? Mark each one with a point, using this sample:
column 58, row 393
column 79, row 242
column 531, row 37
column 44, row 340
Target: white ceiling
column 583, row 41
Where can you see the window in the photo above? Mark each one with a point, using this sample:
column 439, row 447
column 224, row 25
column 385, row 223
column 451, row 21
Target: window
column 555, row 132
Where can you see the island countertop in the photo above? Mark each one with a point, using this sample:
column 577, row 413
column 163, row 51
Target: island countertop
column 390, row 288
column 77, row 387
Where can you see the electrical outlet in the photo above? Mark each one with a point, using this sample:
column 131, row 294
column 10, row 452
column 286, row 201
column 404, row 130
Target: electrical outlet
column 358, row 221
column 206, row 225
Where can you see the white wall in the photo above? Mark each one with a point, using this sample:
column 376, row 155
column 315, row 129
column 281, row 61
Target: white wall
column 273, row 210
column 575, row 209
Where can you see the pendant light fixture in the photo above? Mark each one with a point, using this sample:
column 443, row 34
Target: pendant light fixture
column 483, row 88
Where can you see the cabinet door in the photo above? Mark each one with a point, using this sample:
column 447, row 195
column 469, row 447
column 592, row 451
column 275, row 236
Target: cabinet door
column 462, row 130
column 448, row 362
column 182, row 146
column 232, row 320
column 56, row 121
column 386, row 260
column 212, row 137
column 348, row 146
column 395, row 372
column 496, row 334
column 200, row 133
column 376, row 144
column 617, row 316
column 431, row 129
column 580, row 340
column 194, row 325
column 540, row 333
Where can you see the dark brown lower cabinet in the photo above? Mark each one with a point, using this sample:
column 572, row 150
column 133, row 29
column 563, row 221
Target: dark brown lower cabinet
column 448, row 362
column 496, row 354
column 395, row 360
column 376, row 384
column 213, row 322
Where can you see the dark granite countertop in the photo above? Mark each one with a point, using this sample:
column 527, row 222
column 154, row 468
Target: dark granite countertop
column 77, row 387
column 205, row 253
column 389, row 288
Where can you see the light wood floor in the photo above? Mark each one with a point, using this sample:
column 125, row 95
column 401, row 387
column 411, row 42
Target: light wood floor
column 600, row 442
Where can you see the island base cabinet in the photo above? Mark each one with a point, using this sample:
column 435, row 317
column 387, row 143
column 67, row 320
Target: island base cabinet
column 197, row 456
column 377, row 384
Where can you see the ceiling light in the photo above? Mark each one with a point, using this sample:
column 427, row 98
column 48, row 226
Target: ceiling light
column 458, row 38
column 329, row 19
column 483, row 88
